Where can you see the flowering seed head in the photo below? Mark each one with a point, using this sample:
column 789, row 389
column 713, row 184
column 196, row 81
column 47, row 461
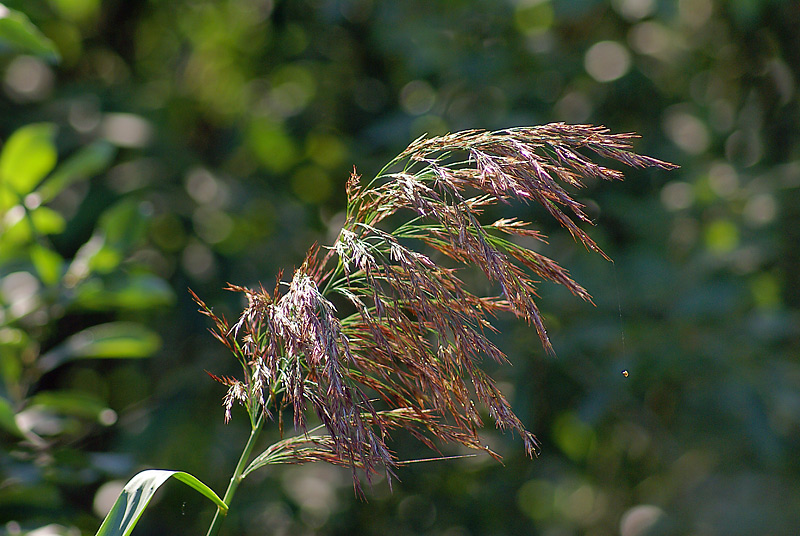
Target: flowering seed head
column 408, row 353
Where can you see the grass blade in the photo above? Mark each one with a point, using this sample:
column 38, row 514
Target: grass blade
column 136, row 495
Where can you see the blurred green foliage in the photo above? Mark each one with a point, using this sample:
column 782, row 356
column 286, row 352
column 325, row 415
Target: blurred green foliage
column 195, row 142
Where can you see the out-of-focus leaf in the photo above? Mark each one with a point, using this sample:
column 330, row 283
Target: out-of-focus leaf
column 45, row 220
column 95, row 257
column 272, row 146
column 12, row 343
column 112, row 340
column 76, row 404
column 19, row 35
column 575, row 438
column 105, row 260
column 30, row 495
column 28, row 155
column 7, row 421
column 85, row 163
column 54, row 529
column 136, row 495
column 122, row 291
column 76, row 10
column 123, row 224
column 8, row 198
column 48, row 264
column 120, row 228
column 40, row 422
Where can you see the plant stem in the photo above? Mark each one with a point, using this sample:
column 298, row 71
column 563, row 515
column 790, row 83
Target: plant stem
column 237, row 477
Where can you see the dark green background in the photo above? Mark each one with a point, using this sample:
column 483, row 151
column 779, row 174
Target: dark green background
column 245, row 118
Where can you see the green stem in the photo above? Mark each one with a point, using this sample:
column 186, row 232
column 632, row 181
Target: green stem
column 237, row 477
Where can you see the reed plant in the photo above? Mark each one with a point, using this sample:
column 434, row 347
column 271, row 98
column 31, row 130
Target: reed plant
column 379, row 331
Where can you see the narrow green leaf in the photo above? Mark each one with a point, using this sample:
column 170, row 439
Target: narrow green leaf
column 124, row 291
column 84, row 164
column 112, row 340
column 48, row 264
column 7, row 421
column 28, row 155
column 136, row 495
column 31, row 494
column 76, row 404
column 13, row 344
column 18, row 34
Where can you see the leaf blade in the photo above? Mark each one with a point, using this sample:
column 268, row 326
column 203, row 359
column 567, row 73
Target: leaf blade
column 85, row 163
column 118, row 340
column 7, row 421
column 28, row 155
column 136, row 495
column 18, row 34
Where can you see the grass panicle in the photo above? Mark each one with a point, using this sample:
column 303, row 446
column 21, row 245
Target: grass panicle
column 408, row 352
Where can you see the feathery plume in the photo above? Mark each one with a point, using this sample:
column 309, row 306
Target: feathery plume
column 408, row 355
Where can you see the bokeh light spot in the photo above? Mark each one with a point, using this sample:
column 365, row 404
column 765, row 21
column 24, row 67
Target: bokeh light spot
column 638, row 521
column 722, row 236
column 311, row 184
column 533, row 16
column 106, row 496
column 607, row 61
column 28, row 79
column 766, row 291
column 293, row 87
column 313, row 488
column 723, row 179
column 274, row 148
column 327, row 150
column 686, row 131
column 127, row 130
column 782, row 78
column 579, row 503
column 198, row 261
column 20, row 291
column 370, row 94
column 212, row 225
column 76, row 9
column 744, row 147
column 68, row 40
column 650, row 38
column 107, row 417
column 417, row 97
column 431, row 125
column 84, row 114
column 535, row 498
column 574, row 437
column 695, row 13
column 634, row 9
column 760, row 210
column 574, row 107
column 677, row 195
column 202, row 186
